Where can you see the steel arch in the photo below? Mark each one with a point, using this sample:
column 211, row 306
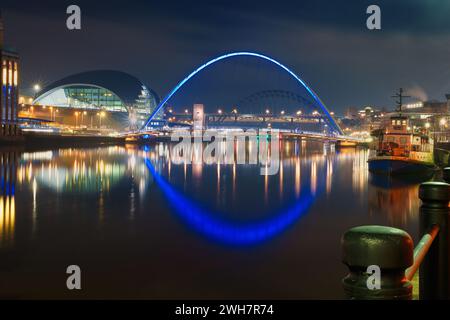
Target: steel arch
column 252, row 54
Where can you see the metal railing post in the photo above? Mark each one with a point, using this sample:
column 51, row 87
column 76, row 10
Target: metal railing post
column 389, row 249
column 446, row 174
column 433, row 273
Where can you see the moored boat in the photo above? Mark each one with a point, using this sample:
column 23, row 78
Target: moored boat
column 401, row 150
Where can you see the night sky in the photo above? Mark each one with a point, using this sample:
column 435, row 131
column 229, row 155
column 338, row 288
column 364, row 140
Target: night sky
column 325, row 42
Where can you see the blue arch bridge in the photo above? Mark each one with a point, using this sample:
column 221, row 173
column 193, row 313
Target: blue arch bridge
column 288, row 124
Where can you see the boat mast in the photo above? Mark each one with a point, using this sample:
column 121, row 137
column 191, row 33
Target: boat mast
column 399, row 95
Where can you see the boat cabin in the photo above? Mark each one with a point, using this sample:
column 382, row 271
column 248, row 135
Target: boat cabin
column 398, row 140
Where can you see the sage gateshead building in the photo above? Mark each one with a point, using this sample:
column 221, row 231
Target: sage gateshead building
column 125, row 100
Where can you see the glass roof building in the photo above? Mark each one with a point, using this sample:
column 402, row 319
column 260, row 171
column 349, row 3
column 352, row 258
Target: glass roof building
column 108, row 90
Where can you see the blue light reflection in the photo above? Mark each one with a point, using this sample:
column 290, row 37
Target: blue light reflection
column 226, row 232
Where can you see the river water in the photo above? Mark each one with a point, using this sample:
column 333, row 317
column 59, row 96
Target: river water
column 141, row 224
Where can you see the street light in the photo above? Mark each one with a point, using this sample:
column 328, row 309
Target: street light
column 299, row 112
column 234, row 111
column 267, row 111
column 36, row 87
column 219, row 111
column 100, row 115
column 82, row 117
column 282, row 112
column 443, row 122
column 76, row 118
column 186, row 111
column 427, row 125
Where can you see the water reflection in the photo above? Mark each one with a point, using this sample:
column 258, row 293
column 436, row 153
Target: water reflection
column 395, row 197
column 225, row 195
column 8, row 164
column 238, row 216
column 206, row 222
column 72, row 170
column 283, row 187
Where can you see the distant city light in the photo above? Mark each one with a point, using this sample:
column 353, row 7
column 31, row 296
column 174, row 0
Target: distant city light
column 414, row 105
column 299, row 112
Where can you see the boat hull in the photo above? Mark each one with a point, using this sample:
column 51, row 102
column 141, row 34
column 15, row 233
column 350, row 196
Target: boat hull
column 399, row 166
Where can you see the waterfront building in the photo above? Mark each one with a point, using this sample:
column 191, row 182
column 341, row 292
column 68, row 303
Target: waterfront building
column 102, row 98
column 9, row 93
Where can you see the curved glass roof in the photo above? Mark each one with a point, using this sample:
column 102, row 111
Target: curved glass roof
column 108, row 89
column 82, row 96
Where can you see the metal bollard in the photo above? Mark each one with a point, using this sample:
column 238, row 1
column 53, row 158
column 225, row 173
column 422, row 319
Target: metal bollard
column 433, row 273
column 388, row 248
column 446, row 174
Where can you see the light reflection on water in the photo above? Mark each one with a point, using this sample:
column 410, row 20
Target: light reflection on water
column 111, row 197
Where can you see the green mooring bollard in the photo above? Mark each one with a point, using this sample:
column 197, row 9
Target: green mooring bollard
column 388, row 248
column 434, row 280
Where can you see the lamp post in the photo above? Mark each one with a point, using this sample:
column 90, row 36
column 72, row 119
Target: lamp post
column 36, row 89
column 76, row 119
column 100, row 115
column 442, row 124
column 235, row 114
column 82, row 117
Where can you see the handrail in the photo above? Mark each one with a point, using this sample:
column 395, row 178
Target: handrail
column 382, row 260
column 421, row 250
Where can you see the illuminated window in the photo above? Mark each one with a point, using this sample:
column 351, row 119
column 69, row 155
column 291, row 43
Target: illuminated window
column 4, row 77
column 10, row 80
column 16, row 75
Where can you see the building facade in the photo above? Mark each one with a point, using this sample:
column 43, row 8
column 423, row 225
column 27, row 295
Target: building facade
column 124, row 98
column 9, row 93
